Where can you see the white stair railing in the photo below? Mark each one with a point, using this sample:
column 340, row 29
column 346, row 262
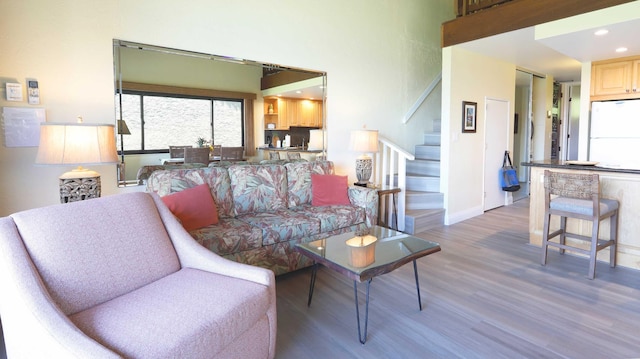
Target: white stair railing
column 391, row 160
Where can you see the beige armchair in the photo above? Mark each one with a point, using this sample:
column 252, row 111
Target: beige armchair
column 117, row 277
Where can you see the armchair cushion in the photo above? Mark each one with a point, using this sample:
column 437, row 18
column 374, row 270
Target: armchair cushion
column 208, row 309
column 194, row 207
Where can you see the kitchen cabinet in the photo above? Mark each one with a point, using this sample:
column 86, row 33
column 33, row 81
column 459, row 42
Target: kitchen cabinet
column 287, row 112
column 615, row 79
column 310, row 113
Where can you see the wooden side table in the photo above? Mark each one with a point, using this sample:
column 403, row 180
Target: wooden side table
column 383, row 193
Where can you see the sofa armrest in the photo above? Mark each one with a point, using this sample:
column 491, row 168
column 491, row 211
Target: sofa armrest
column 366, row 198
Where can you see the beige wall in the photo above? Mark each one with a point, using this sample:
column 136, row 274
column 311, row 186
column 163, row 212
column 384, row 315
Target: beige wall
column 379, row 57
column 476, row 77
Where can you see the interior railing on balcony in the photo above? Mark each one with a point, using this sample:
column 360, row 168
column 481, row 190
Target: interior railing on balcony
column 466, row 7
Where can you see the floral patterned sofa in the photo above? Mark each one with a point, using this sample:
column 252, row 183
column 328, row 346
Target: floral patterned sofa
column 265, row 209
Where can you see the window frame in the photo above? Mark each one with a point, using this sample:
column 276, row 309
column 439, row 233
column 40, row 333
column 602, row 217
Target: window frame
column 246, row 100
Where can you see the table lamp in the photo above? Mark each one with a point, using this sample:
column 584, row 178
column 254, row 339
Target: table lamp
column 362, row 250
column 365, row 141
column 123, row 129
column 77, row 144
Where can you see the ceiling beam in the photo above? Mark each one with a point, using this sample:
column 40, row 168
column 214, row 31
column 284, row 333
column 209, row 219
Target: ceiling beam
column 515, row 15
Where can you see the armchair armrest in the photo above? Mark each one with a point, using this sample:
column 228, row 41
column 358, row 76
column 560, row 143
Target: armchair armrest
column 193, row 255
column 366, row 198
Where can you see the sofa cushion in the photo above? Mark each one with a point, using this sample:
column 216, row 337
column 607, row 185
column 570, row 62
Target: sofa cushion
column 194, row 207
column 166, row 182
column 283, row 225
column 323, row 167
column 190, row 313
column 257, row 189
column 334, row 217
column 299, row 183
column 329, row 190
column 299, row 180
column 228, row 236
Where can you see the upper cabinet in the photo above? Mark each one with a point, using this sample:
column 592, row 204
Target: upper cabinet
column 615, row 79
column 310, row 113
column 289, row 112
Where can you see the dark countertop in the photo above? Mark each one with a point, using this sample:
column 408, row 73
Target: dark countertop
column 293, row 149
column 564, row 165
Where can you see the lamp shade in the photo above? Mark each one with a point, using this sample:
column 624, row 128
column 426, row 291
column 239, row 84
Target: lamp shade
column 362, row 250
column 364, row 141
column 123, row 129
column 76, row 144
column 317, row 140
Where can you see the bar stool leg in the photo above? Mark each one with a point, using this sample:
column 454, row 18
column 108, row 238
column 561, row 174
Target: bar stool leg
column 545, row 238
column 594, row 248
column 613, row 234
column 563, row 226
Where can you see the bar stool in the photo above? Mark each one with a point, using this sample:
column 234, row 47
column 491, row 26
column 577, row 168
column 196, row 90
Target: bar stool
column 578, row 196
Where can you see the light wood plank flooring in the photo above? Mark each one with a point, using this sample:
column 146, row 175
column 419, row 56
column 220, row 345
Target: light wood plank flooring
column 485, row 295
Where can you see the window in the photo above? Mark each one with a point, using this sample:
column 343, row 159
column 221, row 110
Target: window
column 159, row 120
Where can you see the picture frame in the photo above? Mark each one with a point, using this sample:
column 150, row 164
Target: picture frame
column 469, row 117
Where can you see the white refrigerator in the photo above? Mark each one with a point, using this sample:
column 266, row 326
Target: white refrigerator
column 615, row 134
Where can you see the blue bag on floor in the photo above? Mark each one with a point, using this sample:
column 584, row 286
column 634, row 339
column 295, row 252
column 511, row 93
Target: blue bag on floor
column 508, row 176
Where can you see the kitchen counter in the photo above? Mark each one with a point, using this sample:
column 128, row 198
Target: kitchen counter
column 572, row 166
column 292, row 149
column 620, row 184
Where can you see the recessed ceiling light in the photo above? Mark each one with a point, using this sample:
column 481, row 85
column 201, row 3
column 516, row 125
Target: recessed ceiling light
column 602, row 32
column 298, row 91
column 621, row 49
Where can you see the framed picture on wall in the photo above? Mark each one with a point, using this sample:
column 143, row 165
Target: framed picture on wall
column 469, row 116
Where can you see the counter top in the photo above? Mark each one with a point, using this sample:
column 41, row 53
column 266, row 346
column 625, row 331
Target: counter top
column 294, row 149
column 565, row 165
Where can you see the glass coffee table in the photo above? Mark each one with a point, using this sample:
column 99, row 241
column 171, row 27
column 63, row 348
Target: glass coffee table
column 363, row 255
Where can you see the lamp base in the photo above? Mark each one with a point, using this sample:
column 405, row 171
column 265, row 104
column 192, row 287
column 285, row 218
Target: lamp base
column 364, row 167
column 78, row 185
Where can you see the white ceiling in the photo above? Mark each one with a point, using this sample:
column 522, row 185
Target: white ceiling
column 561, row 55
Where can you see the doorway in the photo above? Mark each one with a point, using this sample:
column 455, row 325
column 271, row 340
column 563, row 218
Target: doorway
column 496, row 142
column 571, row 120
column 522, row 131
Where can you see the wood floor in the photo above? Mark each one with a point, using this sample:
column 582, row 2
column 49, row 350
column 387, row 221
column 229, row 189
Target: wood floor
column 485, row 295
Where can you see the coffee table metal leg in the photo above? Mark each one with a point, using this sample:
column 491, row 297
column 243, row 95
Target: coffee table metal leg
column 363, row 339
column 314, row 273
column 415, row 271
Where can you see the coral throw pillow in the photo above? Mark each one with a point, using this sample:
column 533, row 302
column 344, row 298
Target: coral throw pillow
column 193, row 206
column 329, row 190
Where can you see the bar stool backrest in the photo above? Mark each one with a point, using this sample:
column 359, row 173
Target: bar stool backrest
column 572, row 185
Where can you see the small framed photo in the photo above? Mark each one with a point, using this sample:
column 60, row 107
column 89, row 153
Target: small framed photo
column 469, row 116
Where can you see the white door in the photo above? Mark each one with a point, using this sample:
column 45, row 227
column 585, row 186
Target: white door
column 496, row 142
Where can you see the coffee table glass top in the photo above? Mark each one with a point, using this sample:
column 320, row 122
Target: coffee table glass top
column 362, row 255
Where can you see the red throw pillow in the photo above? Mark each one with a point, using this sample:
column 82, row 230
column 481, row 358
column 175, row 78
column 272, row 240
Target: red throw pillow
column 327, row 190
column 193, row 206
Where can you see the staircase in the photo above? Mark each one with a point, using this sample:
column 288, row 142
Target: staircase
column 420, row 204
column 424, row 202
